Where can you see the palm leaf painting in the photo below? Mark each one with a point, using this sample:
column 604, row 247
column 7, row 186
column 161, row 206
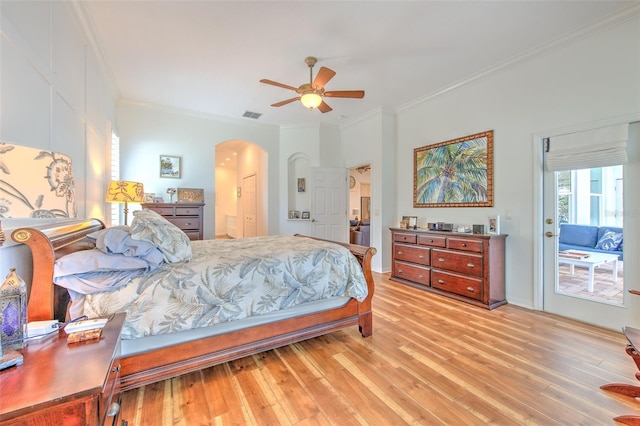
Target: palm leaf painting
column 455, row 173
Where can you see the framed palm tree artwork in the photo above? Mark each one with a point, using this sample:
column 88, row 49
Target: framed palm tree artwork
column 455, row 173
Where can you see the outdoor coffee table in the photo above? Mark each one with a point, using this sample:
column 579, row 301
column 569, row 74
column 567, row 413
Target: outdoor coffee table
column 592, row 261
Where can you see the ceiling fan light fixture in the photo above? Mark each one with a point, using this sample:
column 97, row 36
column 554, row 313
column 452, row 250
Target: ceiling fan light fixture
column 311, row 100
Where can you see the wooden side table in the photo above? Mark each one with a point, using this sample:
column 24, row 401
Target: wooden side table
column 64, row 384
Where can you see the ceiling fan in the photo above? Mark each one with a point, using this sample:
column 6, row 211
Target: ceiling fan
column 311, row 93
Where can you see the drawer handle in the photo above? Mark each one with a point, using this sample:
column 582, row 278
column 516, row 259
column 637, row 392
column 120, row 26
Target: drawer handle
column 440, row 259
column 421, row 276
column 116, row 369
column 464, row 244
column 400, row 252
column 471, row 265
column 421, row 256
column 441, row 281
column 400, row 271
column 188, row 224
column 430, row 241
column 471, row 288
column 114, row 409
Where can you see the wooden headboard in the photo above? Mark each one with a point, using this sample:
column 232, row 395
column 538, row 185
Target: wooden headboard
column 47, row 243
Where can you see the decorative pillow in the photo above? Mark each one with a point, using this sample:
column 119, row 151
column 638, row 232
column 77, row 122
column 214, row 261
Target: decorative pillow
column 609, row 241
column 620, row 245
column 148, row 225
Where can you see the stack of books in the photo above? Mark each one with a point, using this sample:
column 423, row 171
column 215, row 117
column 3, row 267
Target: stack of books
column 573, row 254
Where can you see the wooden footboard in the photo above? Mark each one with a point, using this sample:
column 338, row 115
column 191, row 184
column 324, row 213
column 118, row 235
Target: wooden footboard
column 49, row 242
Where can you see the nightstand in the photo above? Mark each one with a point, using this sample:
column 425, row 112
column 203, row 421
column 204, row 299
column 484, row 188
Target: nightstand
column 65, row 384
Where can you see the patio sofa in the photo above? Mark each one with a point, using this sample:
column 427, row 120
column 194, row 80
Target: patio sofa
column 591, row 238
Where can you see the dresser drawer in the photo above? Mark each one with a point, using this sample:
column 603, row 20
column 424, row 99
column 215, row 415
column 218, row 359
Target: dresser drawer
column 415, row 273
column 410, row 253
column 463, row 263
column 464, row 286
column 187, row 211
column 403, row 237
column 193, row 235
column 164, row 211
column 185, row 223
column 465, row 245
column 109, row 395
column 430, row 240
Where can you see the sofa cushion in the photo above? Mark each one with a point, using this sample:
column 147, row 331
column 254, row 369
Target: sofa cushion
column 609, row 241
column 579, row 235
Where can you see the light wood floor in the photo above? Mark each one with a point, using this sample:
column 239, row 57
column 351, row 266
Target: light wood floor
column 430, row 361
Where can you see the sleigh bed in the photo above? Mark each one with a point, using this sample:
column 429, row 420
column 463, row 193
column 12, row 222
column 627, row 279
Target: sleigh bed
column 174, row 346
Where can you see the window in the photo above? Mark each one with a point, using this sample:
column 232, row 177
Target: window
column 115, row 175
column 591, row 196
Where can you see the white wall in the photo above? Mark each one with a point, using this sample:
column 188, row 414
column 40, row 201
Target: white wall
column 56, row 97
column 147, row 131
column 590, row 79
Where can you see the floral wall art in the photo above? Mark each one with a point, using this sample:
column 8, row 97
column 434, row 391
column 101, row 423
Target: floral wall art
column 35, row 183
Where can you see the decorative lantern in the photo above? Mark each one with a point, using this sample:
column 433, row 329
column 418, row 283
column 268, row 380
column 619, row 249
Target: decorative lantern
column 13, row 311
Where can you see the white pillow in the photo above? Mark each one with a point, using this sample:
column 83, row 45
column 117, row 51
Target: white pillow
column 148, row 225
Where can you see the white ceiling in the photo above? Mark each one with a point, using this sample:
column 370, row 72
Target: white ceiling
column 208, row 56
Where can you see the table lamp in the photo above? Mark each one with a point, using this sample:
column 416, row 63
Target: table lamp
column 355, row 212
column 123, row 191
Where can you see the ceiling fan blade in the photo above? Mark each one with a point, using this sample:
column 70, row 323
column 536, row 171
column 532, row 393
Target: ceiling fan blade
column 288, row 101
column 345, row 94
column 324, row 75
column 275, row 83
column 323, row 107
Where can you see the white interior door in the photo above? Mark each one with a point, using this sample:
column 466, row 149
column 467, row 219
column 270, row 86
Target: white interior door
column 249, row 203
column 329, row 204
column 593, row 311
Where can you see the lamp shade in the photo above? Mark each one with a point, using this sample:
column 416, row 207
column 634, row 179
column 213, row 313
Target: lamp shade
column 123, row 191
column 355, row 212
column 311, row 100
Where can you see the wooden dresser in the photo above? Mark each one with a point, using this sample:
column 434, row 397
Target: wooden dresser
column 467, row 267
column 186, row 216
column 65, row 384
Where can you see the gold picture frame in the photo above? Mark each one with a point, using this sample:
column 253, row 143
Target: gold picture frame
column 454, row 173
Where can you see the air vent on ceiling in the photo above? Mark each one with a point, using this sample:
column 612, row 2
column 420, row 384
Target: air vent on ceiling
column 249, row 114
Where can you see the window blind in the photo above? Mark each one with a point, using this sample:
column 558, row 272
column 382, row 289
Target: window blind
column 115, row 175
column 606, row 146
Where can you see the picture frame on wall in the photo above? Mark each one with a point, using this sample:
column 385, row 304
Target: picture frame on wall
column 454, row 173
column 302, row 185
column 170, row 166
column 494, row 225
column 306, row 215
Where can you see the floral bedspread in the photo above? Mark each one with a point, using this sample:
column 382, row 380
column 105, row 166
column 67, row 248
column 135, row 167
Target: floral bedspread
column 231, row 279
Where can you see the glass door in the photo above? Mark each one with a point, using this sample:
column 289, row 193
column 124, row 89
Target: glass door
column 583, row 270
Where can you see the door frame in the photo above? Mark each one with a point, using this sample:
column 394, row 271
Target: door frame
column 538, row 197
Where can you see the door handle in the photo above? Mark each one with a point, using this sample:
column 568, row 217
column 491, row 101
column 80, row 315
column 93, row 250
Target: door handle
column 313, row 220
column 549, row 234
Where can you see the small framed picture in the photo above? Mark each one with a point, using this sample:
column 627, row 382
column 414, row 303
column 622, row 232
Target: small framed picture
column 306, row 215
column 294, row 214
column 494, row 225
column 301, row 184
column 411, row 222
column 149, row 196
column 158, row 200
column 170, row 166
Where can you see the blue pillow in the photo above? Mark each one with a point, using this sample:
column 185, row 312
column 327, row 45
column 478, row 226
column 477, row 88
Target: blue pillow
column 609, row 241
